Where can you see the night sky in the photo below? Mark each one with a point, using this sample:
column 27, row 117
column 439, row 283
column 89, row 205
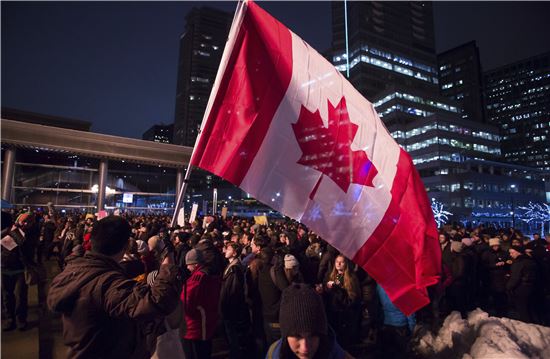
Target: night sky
column 115, row 63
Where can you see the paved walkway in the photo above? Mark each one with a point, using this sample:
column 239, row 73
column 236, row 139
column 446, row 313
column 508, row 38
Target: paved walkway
column 43, row 338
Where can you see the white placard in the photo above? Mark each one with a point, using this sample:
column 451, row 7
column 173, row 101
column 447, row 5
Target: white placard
column 8, row 242
column 181, row 217
column 127, row 198
column 193, row 215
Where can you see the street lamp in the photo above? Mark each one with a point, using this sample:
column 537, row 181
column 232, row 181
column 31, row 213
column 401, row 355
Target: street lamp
column 512, row 213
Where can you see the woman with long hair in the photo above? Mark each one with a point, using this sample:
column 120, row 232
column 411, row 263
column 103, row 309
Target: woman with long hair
column 343, row 301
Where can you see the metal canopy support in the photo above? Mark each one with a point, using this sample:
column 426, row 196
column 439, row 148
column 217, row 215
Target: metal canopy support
column 181, row 193
column 7, row 174
column 179, row 180
column 103, row 167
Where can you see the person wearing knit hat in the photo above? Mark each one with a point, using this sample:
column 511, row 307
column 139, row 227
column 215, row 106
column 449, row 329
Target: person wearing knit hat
column 200, row 297
column 290, row 261
column 516, row 248
column 292, row 269
column 456, row 291
column 193, row 258
column 155, row 244
column 305, row 332
column 494, row 261
column 18, row 249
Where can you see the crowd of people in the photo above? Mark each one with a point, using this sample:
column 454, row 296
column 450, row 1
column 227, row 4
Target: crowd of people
column 131, row 286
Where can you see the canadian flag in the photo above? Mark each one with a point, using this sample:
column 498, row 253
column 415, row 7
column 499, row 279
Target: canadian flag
column 285, row 126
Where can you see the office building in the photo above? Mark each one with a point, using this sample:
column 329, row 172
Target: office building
column 458, row 162
column 517, row 97
column 159, row 133
column 201, row 48
column 389, row 43
column 392, row 62
column 460, row 79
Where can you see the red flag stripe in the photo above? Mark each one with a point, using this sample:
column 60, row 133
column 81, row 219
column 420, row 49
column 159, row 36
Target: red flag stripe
column 260, row 70
column 395, row 254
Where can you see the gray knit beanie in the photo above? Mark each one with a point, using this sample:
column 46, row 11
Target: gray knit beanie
column 302, row 311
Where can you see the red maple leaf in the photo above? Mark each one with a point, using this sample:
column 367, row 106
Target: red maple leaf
column 328, row 150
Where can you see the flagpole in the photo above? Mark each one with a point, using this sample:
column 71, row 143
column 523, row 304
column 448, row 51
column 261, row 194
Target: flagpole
column 233, row 32
column 346, row 33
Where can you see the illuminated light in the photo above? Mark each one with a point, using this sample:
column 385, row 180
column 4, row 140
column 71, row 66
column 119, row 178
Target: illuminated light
column 440, row 215
column 108, row 190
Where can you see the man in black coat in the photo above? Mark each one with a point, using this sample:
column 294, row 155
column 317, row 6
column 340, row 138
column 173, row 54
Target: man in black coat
column 521, row 284
column 494, row 261
column 233, row 307
column 456, row 292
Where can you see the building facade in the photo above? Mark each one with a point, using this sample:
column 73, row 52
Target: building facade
column 517, row 97
column 460, row 79
column 390, row 43
column 392, row 62
column 159, row 133
column 458, row 162
column 201, row 48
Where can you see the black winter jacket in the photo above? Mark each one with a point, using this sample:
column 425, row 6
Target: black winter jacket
column 497, row 274
column 232, row 302
column 105, row 314
column 523, row 274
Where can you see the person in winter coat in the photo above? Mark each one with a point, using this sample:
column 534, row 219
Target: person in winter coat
column 445, row 244
column 456, row 292
column 292, row 269
column 18, row 248
column 105, row 314
column 200, row 296
column 252, row 294
column 326, row 264
column 271, row 283
column 47, row 240
column 343, row 302
column 494, row 261
column 521, row 283
column 471, row 260
column 305, row 333
column 234, row 311
column 397, row 328
column 131, row 263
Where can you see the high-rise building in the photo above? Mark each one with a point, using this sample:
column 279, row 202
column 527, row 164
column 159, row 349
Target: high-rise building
column 458, row 159
column 460, row 79
column 517, row 97
column 389, row 43
column 201, row 48
column 392, row 62
column 159, row 133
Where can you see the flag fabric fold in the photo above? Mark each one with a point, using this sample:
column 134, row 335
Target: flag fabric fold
column 285, row 126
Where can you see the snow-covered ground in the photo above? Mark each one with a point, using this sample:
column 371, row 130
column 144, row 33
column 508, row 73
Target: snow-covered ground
column 482, row 336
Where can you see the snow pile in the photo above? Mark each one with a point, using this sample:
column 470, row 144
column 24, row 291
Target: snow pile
column 481, row 336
